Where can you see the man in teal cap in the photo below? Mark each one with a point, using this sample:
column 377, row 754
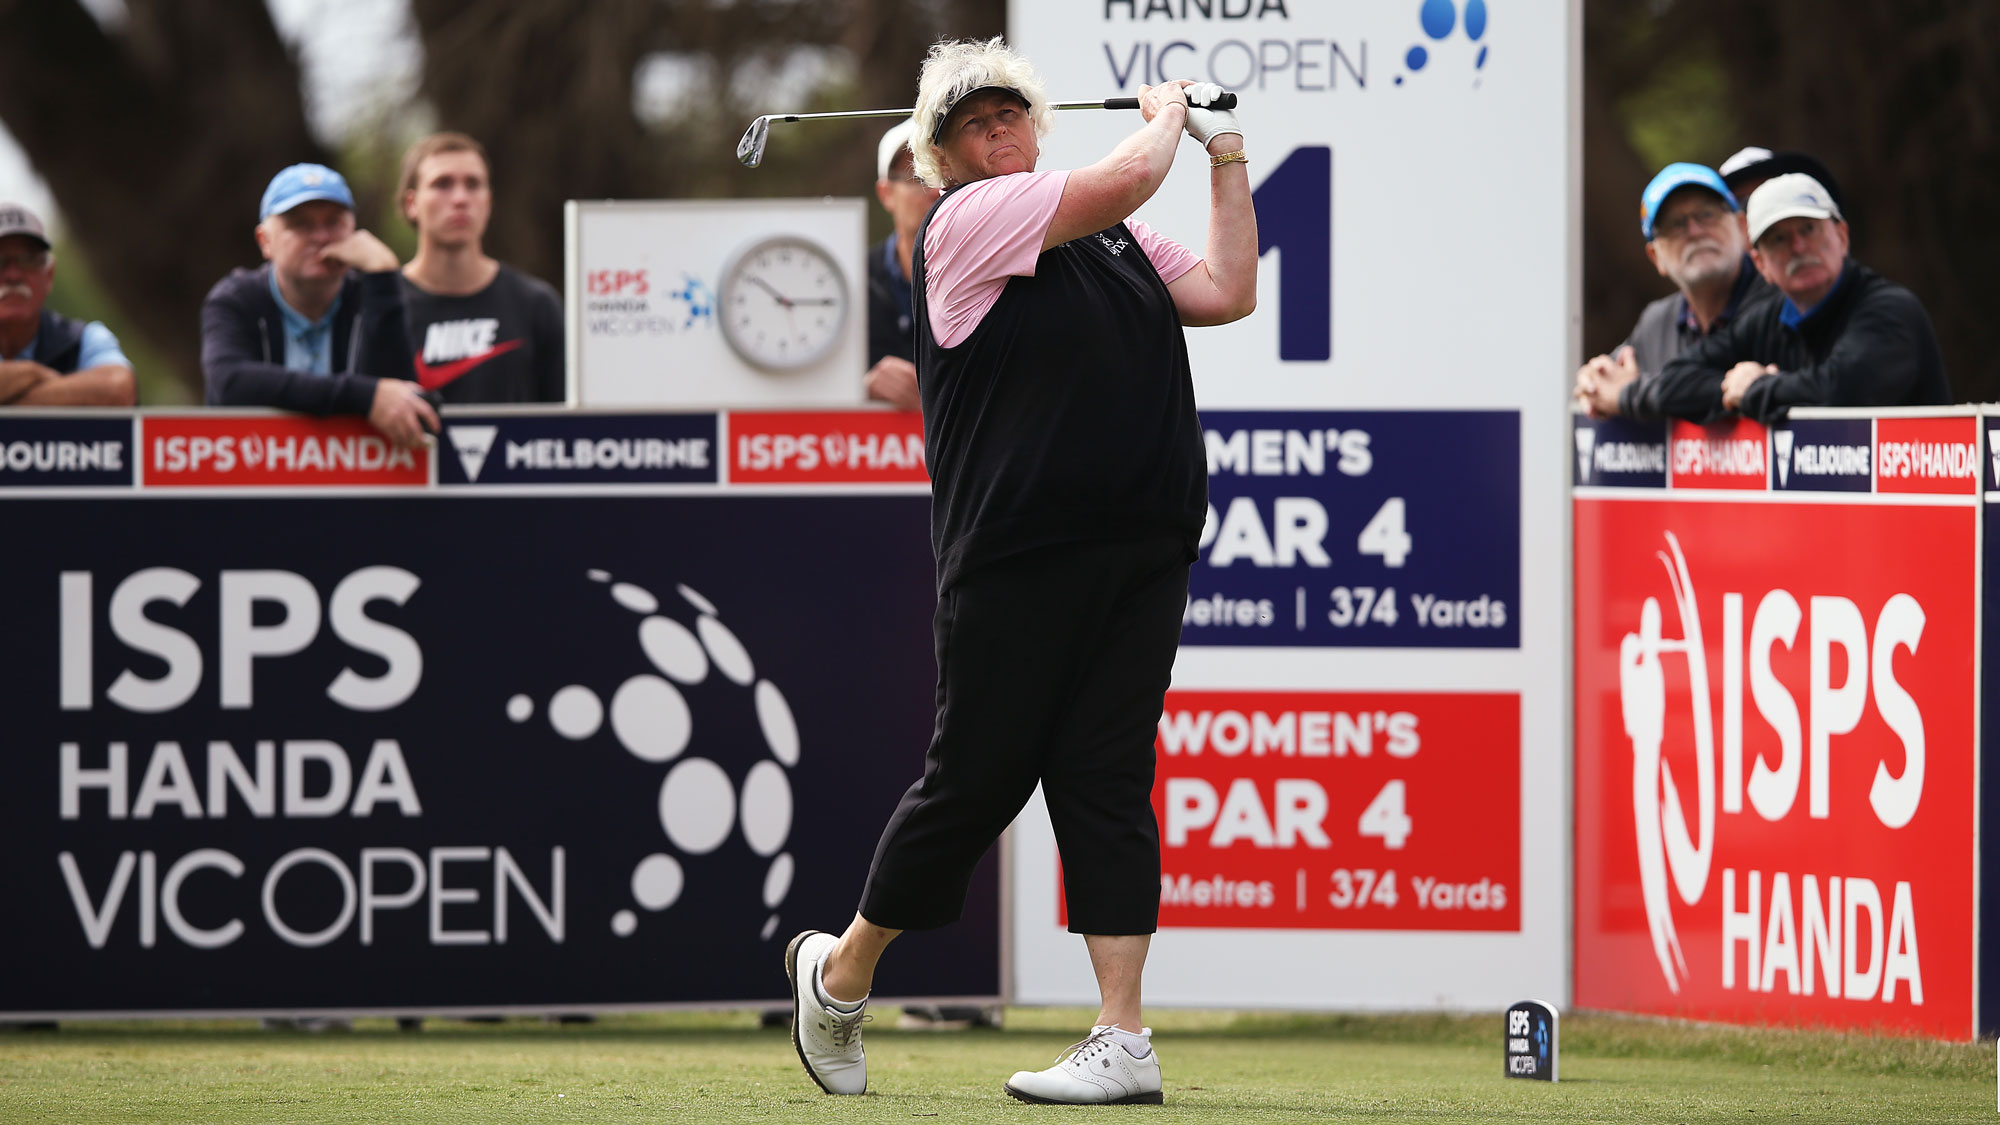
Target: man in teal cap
column 1694, row 237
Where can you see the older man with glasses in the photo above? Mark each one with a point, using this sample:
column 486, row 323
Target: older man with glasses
column 1694, row 237
column 46, row 358
column 1842, row 334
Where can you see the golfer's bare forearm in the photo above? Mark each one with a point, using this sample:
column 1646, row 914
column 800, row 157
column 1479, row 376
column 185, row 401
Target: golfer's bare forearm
column 1232, row 232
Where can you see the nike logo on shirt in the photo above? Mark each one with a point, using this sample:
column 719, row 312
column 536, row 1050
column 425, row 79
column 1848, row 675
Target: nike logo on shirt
column 433, row 377
column 454, row 347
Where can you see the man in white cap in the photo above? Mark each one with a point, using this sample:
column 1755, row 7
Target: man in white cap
column 892, row 370
column 1747, row 168
column 47, row 359
column 1843, row 335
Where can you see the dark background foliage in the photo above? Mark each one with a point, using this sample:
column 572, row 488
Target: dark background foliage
column 157, row 132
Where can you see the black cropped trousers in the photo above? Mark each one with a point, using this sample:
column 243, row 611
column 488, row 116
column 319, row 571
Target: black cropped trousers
column 1052, row 669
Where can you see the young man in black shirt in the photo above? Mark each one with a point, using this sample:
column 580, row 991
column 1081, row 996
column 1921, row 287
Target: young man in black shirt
column 482, row 330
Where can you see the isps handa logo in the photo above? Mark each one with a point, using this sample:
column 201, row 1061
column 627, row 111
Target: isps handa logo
column 689, row 710
column 1816, row 882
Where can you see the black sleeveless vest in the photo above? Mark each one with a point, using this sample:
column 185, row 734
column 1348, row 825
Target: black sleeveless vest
column 1067, row 415
column 58, row 343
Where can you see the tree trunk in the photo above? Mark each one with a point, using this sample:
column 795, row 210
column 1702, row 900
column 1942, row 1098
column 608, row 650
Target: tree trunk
column 157, row 139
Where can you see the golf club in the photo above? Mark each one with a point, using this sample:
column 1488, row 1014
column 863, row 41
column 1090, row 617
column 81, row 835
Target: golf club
column 750, row 150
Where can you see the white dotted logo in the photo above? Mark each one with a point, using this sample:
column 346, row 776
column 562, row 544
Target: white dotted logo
column 699, row 803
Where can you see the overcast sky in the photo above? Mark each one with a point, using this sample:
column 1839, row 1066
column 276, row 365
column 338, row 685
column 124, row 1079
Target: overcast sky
column 356, row 52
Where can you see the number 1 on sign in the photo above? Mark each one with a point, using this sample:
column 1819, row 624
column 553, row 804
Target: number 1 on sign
column 1384, row 817
column 1384, row 534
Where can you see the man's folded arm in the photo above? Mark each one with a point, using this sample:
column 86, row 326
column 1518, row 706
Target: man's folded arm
column 1875, row 362
column 1690, row 385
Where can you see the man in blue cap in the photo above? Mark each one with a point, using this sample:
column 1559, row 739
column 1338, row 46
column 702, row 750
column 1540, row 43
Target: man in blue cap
column 1694, row 237
column 319, row 328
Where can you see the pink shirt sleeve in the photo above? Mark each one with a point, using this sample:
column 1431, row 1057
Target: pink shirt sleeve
column 984, row 234
column 1170, row 258
column 992, row 230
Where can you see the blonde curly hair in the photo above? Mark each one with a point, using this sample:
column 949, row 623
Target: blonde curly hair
column 955, row 68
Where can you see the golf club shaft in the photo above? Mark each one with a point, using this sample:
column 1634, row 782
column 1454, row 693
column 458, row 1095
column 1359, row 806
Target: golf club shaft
column 1226, row 101
column 750, row 150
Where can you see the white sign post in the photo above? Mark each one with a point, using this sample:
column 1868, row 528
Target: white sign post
column 1363, row 767
column 717, row 303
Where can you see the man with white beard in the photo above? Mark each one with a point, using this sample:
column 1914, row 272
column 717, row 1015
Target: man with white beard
column 1842, row 334
column 1694, row 237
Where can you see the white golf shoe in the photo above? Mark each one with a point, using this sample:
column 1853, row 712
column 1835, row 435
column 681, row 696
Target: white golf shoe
column 828, row 1040
column 1096, row 1071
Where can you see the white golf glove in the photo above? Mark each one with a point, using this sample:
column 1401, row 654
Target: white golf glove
column 1204, row 124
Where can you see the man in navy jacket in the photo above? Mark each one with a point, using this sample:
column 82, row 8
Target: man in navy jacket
column 1843, row 335
column 319, row 327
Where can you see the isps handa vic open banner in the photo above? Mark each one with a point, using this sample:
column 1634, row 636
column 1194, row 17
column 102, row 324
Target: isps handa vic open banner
column 1775, row 701
column 421, row 747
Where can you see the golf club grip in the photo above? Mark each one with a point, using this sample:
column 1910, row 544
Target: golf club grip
column 1226, row 101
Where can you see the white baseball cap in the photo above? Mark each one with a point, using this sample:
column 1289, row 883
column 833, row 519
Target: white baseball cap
column 1794, row 195
column 894, row 141
column 1744, row 158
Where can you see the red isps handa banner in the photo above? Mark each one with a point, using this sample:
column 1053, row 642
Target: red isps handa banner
column 1775, row 799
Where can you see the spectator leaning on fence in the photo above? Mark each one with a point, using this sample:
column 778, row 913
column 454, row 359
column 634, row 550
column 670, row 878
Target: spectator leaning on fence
column 892, row 370
column 1694, row 237
column 47, row 359
column 482, row 330
column 319, row 327
column 1843, row 335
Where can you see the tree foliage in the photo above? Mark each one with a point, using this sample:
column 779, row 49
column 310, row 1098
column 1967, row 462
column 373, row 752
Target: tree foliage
column 1900, row 100
column 156, row 138
column 157, row 132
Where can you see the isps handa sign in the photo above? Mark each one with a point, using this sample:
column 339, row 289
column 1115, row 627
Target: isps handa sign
column 1775, row 761
column 442, row 750
column 295, row 779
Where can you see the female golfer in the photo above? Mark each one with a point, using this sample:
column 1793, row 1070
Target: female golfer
column 1069, row 488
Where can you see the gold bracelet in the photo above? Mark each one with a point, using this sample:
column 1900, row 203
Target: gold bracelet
column 1236, row 157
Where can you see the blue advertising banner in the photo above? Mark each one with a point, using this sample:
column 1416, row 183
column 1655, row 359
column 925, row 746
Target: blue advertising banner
column 431, row 752
column 1619, row 453
column 1823, row 455
column 578, row 449
column 42, row 451
column 1376, row 528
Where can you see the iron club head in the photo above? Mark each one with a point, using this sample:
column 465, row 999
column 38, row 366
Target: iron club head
column 750, row 150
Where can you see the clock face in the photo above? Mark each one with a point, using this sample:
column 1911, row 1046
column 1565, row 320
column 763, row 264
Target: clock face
column 783, row 303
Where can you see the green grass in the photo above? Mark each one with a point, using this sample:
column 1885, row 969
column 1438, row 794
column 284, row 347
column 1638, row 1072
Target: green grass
column 719, row 1068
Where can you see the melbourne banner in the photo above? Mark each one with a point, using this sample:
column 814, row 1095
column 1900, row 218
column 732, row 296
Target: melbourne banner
column 1775, row 716
column 437, row 750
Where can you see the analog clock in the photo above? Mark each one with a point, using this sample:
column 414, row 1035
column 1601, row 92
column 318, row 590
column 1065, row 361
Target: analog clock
column 783, row 303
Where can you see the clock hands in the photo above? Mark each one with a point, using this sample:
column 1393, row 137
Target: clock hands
column 784, row 301
column 767, row 287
